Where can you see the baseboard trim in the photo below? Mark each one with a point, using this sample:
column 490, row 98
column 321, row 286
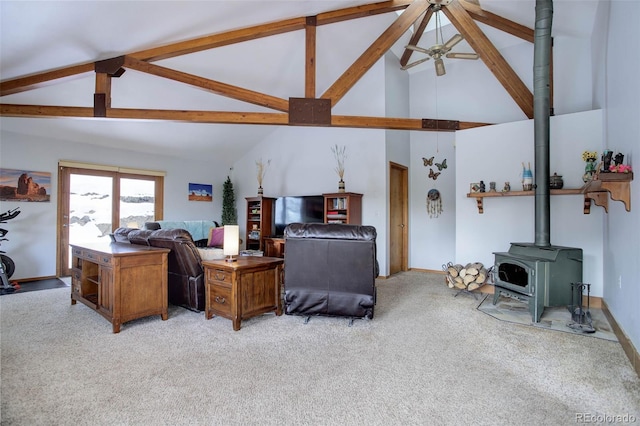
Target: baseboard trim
column 26, row 280
column 627, row 346
column 431, row 271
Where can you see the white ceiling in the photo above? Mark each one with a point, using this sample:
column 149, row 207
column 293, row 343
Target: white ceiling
column 37, row 36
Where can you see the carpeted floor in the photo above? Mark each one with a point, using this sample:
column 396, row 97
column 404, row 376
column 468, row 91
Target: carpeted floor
column 37, row 285
column 426, row 358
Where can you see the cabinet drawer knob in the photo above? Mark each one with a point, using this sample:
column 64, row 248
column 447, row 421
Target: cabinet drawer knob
column 220, row 300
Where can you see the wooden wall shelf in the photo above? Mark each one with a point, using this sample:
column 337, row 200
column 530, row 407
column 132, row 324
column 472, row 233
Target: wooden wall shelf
column 480, row 196
column 605, row 185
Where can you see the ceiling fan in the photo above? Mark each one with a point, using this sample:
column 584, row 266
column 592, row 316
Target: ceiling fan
column 438, row 50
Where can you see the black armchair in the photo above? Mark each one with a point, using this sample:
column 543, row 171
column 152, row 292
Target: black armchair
column 330, row 269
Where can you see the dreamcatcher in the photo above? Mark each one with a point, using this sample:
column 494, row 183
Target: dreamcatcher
column 434, row 203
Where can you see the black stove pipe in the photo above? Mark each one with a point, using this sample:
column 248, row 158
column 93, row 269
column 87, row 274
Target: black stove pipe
column 541, row 112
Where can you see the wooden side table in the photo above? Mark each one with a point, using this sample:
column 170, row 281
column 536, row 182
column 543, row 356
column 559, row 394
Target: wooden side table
column 242, row 289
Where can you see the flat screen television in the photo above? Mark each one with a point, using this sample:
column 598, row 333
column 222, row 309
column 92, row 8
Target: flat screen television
column 301, row 209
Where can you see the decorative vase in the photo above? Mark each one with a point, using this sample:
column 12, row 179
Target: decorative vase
column 555, row 181
column 341, row 186
column 589, row 170
column 260, row 191
column 527, row 179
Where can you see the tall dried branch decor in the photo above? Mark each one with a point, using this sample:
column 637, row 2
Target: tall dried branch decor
column 340, row 154
column 261, row 169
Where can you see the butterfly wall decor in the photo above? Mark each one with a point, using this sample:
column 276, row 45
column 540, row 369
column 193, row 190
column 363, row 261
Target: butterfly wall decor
column 433, row 175
column 428, row 161
column 442, row 165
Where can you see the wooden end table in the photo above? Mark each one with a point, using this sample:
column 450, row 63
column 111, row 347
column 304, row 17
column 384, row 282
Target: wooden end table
column 244, row 288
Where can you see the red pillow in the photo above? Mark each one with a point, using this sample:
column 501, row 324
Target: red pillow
column 216, row 237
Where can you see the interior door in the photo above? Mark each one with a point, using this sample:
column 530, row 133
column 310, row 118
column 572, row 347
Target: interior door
column 398, row 218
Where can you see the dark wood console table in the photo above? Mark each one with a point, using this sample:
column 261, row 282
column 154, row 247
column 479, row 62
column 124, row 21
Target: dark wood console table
column 120, row 281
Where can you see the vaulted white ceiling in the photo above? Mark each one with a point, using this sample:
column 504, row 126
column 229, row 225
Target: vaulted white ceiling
column 37, row 36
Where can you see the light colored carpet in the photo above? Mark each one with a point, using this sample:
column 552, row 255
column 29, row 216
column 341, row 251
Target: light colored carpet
column 426, row 358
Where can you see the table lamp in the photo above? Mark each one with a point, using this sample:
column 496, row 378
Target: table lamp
column 231, row 241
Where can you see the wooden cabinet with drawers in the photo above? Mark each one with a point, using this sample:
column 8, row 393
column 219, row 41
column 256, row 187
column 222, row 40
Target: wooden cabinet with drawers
column 244, row 288
column 122, row 282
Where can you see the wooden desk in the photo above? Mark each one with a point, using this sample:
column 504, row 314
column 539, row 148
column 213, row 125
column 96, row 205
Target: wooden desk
column 121, row 281
column 242, row 289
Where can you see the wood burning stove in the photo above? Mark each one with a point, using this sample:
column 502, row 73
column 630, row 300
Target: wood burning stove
column 540, row 276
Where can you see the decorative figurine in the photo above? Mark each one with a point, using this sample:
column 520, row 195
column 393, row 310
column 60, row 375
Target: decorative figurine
column 590, row 167
column 507, row 187
column 492, row 187
column 482, row 187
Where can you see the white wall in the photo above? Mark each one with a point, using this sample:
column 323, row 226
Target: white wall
column 622, row 117
column 432, row 239
column 495, row 153
column 32, row 235
column 302, row 164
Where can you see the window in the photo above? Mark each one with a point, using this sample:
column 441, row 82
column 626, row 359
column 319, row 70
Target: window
column 94, row 200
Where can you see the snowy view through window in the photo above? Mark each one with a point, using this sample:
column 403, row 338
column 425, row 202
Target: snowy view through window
column 90, row 206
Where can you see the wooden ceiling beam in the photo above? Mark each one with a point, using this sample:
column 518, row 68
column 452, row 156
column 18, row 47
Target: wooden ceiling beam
column 220, row 117
column 415, row 38
column 217, row 40
column 362, row 11
column 264, row 30
column 392, row 123
column 379, row 47
column 22, row 84
column 490, row 55
column 216, row 87
column 41, row 111
column 310, row 58
column 500, row 23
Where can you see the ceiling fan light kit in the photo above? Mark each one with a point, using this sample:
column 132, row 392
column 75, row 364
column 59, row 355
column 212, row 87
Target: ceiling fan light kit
column 438, row 50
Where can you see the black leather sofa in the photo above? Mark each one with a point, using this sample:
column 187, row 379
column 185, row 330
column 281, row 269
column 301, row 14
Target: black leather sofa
column 185, row 275
column 330, row 269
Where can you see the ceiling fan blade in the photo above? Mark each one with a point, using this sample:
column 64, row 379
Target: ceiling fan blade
column 440, row 67
column 413, row 64
column 452, row 42
column 417, row 49
column 462, row 55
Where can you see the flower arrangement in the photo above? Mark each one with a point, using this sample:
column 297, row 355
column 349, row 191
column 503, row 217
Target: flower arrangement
column 261, row 169
column 589, row 156
column 340, row 154
column 620, row 168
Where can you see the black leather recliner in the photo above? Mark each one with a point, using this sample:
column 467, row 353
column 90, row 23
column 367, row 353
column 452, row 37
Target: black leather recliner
column 330, row 269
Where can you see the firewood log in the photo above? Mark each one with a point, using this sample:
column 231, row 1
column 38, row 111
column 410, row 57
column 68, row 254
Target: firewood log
column 473, row 286
column 449, row 281
column 469, row 279
column 482, row 276
column 454, row 270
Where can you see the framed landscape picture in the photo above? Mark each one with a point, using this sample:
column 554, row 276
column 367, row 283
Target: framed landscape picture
column 200, row 192
column 24, row 185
